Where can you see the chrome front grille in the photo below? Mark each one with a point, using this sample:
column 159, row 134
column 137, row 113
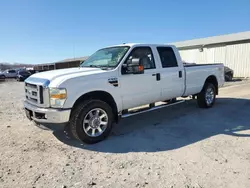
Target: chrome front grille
column 37, row 91
column 32, row 93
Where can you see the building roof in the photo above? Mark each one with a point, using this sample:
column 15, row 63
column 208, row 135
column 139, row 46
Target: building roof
column 236, row 37
column 64, row 61
column 73, row 59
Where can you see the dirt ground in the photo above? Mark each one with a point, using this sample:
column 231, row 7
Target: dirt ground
column 178, row 146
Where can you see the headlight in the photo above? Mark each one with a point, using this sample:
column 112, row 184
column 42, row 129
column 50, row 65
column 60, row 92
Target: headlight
column 57, row 97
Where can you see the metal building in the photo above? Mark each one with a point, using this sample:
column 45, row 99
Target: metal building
column 66, row 63
column 233, row 50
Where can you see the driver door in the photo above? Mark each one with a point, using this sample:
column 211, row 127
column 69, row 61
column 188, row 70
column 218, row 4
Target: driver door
column 140, row 89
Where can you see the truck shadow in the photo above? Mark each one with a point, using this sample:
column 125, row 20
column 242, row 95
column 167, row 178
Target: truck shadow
column 235, row 80
column 173, row 127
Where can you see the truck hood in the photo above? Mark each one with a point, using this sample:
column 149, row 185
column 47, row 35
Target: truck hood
column 44, row 78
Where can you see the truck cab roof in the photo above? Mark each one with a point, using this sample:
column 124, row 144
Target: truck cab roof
column 142, row 44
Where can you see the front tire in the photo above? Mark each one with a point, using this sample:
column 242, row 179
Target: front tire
column 91, row 121
column 206, row 98
column 2, row 77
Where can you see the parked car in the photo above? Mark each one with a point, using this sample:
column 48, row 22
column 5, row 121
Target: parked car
column 229, row 73
column 22, row 75
column 112, row 83
column 32, row 71
column 10, row 73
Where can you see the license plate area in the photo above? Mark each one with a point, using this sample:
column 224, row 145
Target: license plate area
column 28, row 114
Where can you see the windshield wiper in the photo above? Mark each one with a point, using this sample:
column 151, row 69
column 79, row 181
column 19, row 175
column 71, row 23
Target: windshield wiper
column 97, row 66
column 104, row 67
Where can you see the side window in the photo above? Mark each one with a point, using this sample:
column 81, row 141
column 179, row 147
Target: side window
column 167, row 56
column 12, row 71
column 146, row 56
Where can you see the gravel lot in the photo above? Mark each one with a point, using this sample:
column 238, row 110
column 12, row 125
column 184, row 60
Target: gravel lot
column 179, row 146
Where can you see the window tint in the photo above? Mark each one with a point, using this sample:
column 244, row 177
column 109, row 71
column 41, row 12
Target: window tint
column 146, row 56
column 12, row 71
column 167, row 56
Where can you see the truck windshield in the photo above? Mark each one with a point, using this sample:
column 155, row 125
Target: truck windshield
column 106, row 57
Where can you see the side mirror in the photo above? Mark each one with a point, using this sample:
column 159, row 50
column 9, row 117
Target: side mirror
column 133, row 66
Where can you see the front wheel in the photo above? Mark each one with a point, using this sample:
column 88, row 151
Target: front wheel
column 206, row 98
column 2, row 77
column 91, row 121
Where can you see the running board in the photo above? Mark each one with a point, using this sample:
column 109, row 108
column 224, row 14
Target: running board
column 136, row 112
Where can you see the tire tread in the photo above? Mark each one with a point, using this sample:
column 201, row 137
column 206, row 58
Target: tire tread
column 73, row 123
column 201, row 96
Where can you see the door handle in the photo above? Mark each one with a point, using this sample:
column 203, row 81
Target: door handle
column 158, row 76
column 180, row 74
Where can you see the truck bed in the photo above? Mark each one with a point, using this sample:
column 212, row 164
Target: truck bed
column 196, row 74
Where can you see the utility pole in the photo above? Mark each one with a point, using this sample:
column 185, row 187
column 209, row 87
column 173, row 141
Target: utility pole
column 74, row 51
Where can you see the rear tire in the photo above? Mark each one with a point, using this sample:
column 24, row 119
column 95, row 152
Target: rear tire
column 206, row 98
column 89, row 115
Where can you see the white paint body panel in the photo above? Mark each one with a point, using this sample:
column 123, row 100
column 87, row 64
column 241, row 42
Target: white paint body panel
column 133, row 90
column 140, row 89
column 197, row 75
column 172, row 85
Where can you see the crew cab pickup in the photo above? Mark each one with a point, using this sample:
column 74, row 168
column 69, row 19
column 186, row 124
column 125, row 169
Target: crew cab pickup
column 112, row 83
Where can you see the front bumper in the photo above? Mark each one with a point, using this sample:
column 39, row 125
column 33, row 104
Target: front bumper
column 46, row 115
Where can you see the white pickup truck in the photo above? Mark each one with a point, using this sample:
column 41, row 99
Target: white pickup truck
column 111, row 83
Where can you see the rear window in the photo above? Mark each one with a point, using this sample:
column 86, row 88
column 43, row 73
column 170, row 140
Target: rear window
column 167, row 56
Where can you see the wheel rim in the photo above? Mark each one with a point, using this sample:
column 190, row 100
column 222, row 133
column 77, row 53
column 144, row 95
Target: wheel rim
column 209, row 96
column 95, row 122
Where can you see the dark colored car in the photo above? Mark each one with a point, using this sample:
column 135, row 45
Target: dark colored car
column 32, row 72
column 22, row 75
column 229, row 74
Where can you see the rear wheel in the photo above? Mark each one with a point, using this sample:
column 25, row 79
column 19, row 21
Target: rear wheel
column 206, row 97
column 91, row 121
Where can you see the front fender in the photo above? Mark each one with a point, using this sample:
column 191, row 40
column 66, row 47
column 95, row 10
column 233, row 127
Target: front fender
column 76, row 90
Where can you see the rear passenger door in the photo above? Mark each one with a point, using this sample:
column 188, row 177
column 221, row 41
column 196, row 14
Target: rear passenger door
column 172, row 76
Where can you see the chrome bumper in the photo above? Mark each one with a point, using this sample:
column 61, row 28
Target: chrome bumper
column 46, row 115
